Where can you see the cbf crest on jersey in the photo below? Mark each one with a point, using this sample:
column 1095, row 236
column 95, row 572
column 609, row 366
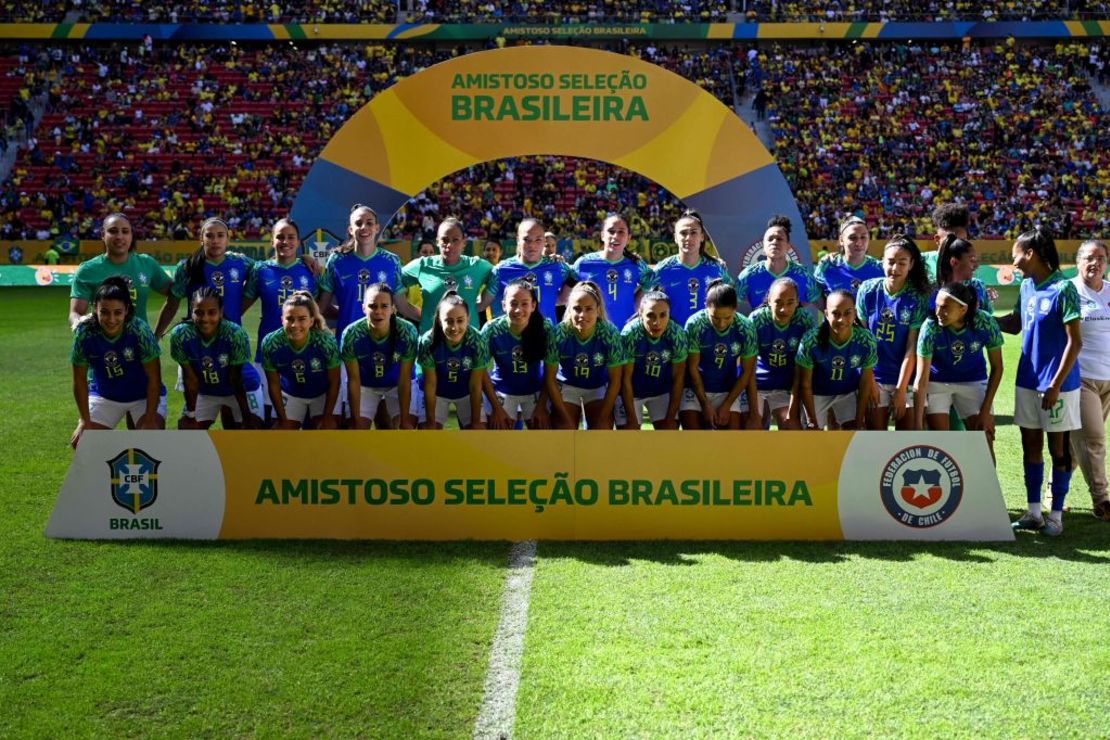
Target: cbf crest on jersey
column 134, row 477
column 921, row 486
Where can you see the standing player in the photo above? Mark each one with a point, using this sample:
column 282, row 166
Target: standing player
column 454, row 359
column 951, row 370
column 718, row 342
column 451, row 270
column 215, row 359
column 779, row 328
column 551, row 278
column 893, row 309
column 1047, row 401
column 852, row 265
column 956, row 263
column 835, row 366
column 379, row 353
column 142, row 272
column 591, row 356
column 301, row 361
column 655, row 369
column 524, row 363
column 686, row 276
column 755, row 279
column 116, row 371
column 620, row 273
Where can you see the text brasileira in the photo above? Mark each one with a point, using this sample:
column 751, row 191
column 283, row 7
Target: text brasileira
column 536, row 96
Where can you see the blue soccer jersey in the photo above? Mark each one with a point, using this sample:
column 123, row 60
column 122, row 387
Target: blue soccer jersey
column 837, row 367
column 379, row 360
column 835, row 273
column 753, row 283
column 348, row 275
column 778, row 346
column 958, row 356
column 213, row 359
column 548, row 276
column 303, row 372
column 985, row 302
column 229, row 277
column 115, row 363
column 453, row 365
column 720, row 352
column 652, row 360
column 271, row 283
column 890, row 318
column 510, row 372
column 686, row 286
column 1045, row 309
column 585, row 363
column 618, row 281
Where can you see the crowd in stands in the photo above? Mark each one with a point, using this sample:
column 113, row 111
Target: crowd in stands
column 1014, row 130
column 571, row 11
column 917, row 10
column 202, row 11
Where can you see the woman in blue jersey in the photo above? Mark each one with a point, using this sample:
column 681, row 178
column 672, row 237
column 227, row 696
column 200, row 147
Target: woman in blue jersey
column 720, row 364
column 591, row 357
column 524, row 363
column 849, row 267
column 957, row 261
column 215, row 359
column 655, row 367
column 378, row 353
column 454, row 359
column 1047, row 394
column 754, row 281
column 951, row 369
column 619, row 272
column 685, row 277
column 893, row 308
column 210, row 266
column 779, row 328
column 836, row 364
column 301, row 361
column 116, row 371
column 551, row 278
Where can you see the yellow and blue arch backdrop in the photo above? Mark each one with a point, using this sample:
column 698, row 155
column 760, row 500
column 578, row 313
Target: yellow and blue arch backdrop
column 551, row 100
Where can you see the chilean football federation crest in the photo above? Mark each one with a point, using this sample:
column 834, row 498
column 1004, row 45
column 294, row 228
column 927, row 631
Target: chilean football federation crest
column 921, row 486
column 134, row 477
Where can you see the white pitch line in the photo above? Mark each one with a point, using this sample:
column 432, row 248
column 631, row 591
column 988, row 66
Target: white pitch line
column 498, row 712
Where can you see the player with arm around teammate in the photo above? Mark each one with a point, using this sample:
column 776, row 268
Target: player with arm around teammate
column 591, row 358
column 454, row 359
column 116, row 370
column 379, row 353
column 655, row 369
column 301, row 361
column 951, row 369
column 779, row 328
column 215, row 361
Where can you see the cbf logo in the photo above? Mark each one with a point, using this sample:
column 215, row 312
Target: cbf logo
column 134, row 476
column 921, row 486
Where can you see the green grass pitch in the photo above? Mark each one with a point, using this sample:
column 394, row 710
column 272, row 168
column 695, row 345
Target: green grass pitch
column 624, row 639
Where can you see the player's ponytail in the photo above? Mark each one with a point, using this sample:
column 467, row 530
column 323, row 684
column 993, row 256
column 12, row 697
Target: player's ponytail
column 1040, row 240
column 450, row 299
column 952, row 247
column 114, row 288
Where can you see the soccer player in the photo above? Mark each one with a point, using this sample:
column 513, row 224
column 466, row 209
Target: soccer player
column 116, row 371
column 951, row 369
column 779, row 328
column 451, row 270
column 719, row 341
column 852, row 265
column 591, row 357
column 655, row 367
column 143, row 273
column 215, row 359
column 752, row 283
column 620, row 273
column 301, row 361
column 379, row 352
column 1047, row 393
column 685, row 277
column 836, row 363
column 454, row 359
column 551, row 278
column 956, row 262
column 210, row 266
column 893, row 308
column 524, row 363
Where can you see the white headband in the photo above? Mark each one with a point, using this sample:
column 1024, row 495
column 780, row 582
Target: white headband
column 942, row 291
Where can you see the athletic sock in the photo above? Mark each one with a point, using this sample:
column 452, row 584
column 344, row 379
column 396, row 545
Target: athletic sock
column 1061, row 480
column 1035, row 508
column 1034, row 479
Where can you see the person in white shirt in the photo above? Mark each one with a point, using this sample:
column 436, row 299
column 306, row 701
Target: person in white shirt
column 1089, row 444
